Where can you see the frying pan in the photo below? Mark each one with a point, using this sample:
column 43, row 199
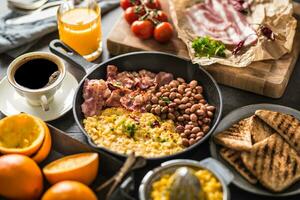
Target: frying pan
column 152, row 61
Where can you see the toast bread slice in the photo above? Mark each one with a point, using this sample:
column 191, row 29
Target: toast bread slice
column 237, row 137
column 274, row 163
column 286, row 125
column 234, row 159
column 259, row 129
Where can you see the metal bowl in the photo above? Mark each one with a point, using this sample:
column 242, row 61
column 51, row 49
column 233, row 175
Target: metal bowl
column 223, row 175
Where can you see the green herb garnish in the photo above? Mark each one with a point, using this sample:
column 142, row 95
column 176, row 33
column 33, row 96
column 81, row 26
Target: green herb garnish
column 166, row 100
column 208, row 47
column 130, row 129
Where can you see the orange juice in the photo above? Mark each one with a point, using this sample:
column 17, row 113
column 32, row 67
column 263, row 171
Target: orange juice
column 80, row 28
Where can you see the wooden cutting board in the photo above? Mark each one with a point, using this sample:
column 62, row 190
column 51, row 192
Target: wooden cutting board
column 268, row 78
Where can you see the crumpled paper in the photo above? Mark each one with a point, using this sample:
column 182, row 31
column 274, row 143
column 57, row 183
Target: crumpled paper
column 275, row 14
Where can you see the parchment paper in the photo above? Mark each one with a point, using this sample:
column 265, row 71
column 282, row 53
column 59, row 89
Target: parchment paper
column 275, row 14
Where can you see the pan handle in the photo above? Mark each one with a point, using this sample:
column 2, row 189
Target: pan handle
column 62, row 50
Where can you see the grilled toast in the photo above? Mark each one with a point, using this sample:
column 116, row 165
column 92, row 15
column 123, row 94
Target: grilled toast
column 286, row 125
column 274, row 163
column 237, row 137
column 234, row 159
column 259, row 129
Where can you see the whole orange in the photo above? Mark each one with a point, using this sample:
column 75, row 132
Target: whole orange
column 20, row 177
column 69, row 190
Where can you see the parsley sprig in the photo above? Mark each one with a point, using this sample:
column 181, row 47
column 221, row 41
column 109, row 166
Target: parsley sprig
column 208, row 47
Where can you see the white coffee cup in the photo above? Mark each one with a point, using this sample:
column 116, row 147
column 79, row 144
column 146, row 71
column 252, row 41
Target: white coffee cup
column 42, row 96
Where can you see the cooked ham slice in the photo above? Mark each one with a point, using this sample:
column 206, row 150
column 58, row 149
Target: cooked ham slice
column 163, row 78
column 220, row 20
column 95, row 92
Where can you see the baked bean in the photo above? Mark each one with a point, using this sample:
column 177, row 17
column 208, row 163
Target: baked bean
column 193, row 135
column 148, row 107
column 166, row 94
column 195, row 107
column 200, row 112
column 187, row 111
column 186, row 117
column 188, row 104
column 210, row 108
column 187, row 132
column 193, row 84
column 188, row 90
column 194, row 91
column 170, row 109
column 188, row 127
column 173, row 84
column 184, row 99
column 179, row 128
column 193, row 117
column 165, row 109
column 181, row 89
column 198, row 96
column 180, row 118
column 203, row 101
column 198, row 138
column 172, row 105
column 152, row 110
column 188, row 94
column 181, row 80
column 196, row 130
column 171, row 116
column 157, row 110
column 183, row 135
column 206, row 120
column 192, row 141
column 200, row 122
column 163, row 90
column 158, row 94
column 177, row 101
column 209, row 113
column 199, row 89
column 173, row 89
column 172, row 95
column 205, row 128
column 162, row 103
column 154, row 99
column 168, row 87
column 200, row 134
column 182, row 106
column 185, row 142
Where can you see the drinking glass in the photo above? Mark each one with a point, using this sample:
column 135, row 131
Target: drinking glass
column 79, row 27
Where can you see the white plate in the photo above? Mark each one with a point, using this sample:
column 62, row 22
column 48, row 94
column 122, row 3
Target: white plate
column 12, row 103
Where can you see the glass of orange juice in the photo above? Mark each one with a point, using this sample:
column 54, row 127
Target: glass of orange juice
column 79, row 27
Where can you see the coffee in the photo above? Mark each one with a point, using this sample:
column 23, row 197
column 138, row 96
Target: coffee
column 36, row 73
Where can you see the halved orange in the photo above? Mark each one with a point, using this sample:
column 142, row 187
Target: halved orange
column 69, row 190
column 82, row 167
column 45, row 148
column 21, row 134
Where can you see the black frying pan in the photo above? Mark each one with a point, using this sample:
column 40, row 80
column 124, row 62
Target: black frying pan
column 152, row 61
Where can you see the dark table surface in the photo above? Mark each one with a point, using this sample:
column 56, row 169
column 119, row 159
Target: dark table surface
column 232, row 98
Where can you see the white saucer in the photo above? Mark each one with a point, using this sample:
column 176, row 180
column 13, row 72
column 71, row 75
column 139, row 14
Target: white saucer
column 12, row 103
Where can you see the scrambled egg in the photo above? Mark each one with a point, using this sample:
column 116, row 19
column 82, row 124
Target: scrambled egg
column 124, row 131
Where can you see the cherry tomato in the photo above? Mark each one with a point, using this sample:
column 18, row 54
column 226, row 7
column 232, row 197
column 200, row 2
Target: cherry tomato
column 133, row 13
column 128, row 3
column 153, row 4
column 160, row 16
column 163, row 32
column 142, row 29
